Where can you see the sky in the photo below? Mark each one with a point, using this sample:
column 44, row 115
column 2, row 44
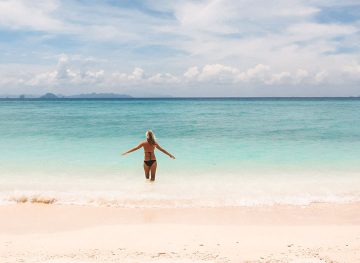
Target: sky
column 181, row 48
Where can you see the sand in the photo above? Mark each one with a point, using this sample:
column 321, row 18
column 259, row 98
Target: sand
column 298, row 234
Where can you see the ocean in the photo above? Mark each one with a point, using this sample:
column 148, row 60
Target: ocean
column 229, row 151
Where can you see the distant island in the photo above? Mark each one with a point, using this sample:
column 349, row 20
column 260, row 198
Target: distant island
column 93, row 95
column 99, row 96
column 84, row 96
column 45, row 96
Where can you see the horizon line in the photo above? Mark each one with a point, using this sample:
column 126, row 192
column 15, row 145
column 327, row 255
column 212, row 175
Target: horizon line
column 10, row 97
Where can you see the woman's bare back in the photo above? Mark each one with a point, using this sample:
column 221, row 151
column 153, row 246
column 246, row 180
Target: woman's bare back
column 148, row 151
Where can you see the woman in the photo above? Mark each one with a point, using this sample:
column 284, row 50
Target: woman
column 149, row 159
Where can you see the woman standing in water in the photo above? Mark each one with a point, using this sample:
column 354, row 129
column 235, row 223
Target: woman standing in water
column 149, row 146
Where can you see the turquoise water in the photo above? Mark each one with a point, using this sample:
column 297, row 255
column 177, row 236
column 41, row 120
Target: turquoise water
column 229, row 151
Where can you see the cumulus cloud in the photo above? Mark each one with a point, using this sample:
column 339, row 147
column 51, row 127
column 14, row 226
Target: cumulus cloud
column 259, row 74
column 161, row 78
column 136, row 76
column 66, row 74
column 280, row 78
column 67, row 77
column 217, row 71
column 191, row 73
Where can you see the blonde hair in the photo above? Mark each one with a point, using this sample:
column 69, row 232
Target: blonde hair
column 150, row 137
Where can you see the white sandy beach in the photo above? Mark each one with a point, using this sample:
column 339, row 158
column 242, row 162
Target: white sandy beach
column 299, row 234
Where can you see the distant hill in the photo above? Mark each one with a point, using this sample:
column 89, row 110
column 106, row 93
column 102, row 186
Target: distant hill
column 85, row 96
column 49, row 96
column 99, row 96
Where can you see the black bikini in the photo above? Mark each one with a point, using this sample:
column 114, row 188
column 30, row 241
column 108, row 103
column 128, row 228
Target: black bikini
column 149, row 162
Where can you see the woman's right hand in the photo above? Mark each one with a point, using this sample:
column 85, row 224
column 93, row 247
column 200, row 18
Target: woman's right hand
column 172, row 156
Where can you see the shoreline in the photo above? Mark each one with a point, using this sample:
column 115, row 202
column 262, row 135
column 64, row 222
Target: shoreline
column 312, row 214
column 68, row 233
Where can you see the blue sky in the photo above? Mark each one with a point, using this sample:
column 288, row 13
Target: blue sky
column 181, row 48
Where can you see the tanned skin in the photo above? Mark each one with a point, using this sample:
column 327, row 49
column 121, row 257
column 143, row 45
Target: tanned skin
column 149, row 155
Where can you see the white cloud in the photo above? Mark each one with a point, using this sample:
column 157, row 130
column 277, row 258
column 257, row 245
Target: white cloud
column 353, row 69
column 309, row 31
column 280, row 78
column 36, row 15
column 321, row 76
column 301, row 75
column 192, row 73
column 67, row 77
column 63, row 71
column 226, row 73
column 226, row 16
column 137, row 74
column 218, row 72
column 92, row 77
column 162, row 78
column 66, row 74
column 43, row 79
column 259, row 72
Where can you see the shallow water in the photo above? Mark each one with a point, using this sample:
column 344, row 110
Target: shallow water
column 229, row 151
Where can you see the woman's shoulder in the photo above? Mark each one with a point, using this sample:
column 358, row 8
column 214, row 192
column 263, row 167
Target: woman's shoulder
column 146, row 144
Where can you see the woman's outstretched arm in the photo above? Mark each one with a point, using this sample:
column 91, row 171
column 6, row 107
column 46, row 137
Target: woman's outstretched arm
column 164, row 151
column 133, row 149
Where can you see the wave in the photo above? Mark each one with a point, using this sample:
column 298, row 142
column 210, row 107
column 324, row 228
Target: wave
column 101, row 199
column 226, row 190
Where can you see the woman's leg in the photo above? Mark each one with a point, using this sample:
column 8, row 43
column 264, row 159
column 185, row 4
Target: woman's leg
column 146, row 170
column 153, row 171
